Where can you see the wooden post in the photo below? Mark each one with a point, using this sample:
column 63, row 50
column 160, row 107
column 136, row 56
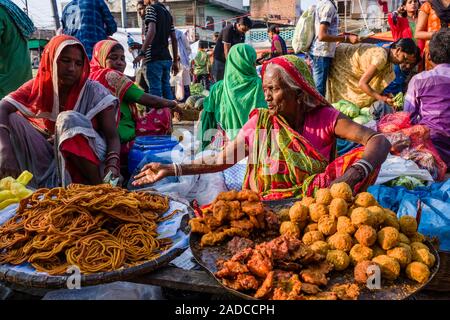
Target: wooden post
column 55, row 14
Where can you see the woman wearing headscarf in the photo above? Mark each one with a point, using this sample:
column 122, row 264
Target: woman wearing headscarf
column 231, row 100
column 61, row 126
column 433, row 15
column 15, row 30
column 107, row 67
column 290, row 145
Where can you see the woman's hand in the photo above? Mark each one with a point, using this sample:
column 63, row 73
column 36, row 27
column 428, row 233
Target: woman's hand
column 387, row 99
column 351, row 177
column 151, row 173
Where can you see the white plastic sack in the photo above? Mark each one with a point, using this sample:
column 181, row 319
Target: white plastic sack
column 395, row 167
column 304, row 31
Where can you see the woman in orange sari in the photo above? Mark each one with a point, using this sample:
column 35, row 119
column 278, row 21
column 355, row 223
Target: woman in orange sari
column 61, row 126
column 433, row 15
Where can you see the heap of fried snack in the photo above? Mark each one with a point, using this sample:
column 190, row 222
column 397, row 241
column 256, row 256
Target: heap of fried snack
column 96, row 228
column 232, row 214
column 332, row 230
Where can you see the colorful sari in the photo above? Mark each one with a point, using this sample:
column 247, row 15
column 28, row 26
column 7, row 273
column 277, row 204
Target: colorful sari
column 73, row 126
column 133, row 122
column 284, row 164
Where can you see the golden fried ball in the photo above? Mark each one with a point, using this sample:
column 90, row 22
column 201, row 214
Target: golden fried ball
column 401, row 254
column 283, row 215
column 340, row 241
column 317, row 210
column 311, row 227
column 418, row 245
column 289, row 227
column 391, row 221
column 403, row 238
column 365, row 199
column 311, row 237
column 389, row 212
column 338, row 207
column 320, row 247
column 418, row 271
column 327, row 225
column 388, row 237
column 362, row 216
column 406, row 246
column 408, row 225
column 424, row 256
column 323, row 196
column 378, row 213
column 417, row 237
column 307, row 201
column 390, row 268
column 341, row 190
column 339, row 259
column 298, row 212
column 344, row 224
column 360, row 253
column 363, row 270
column 377, row 251
column 302, row 225
column 366, row 235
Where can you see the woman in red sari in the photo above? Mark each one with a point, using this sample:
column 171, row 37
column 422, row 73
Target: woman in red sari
column 291, row 145
column 61, row 126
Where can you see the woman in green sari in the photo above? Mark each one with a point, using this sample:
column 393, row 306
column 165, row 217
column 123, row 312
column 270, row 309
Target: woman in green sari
column 232, row 99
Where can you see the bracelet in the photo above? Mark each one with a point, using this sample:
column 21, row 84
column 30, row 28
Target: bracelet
column 112, row 157
column 113, row 166
column 175, row 169
column 357, row 165
column 4, row 126
column 367, row 163
column 180, row 170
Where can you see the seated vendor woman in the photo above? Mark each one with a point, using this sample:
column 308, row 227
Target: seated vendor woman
column 60, row 126
column 107, row 67
column 290, row 145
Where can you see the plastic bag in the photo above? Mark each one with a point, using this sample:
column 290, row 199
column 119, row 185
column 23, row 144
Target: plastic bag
column 394, row 122
column 395, row 167
column 304, row 31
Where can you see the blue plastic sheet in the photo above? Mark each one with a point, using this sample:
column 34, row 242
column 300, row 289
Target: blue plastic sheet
column 435, row 217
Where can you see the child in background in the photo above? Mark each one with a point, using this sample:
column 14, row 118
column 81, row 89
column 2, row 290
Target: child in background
column 202, row 66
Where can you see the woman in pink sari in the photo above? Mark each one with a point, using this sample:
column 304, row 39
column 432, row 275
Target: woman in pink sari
column 291, row 145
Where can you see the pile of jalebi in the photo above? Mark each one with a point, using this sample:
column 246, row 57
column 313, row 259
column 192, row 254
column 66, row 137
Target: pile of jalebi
column 96, row 228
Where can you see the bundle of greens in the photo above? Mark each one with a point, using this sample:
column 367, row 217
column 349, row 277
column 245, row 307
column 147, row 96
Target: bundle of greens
column 399, row 100
column 408, row 182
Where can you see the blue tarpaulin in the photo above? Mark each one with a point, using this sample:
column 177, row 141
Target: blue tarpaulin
column 435, row 199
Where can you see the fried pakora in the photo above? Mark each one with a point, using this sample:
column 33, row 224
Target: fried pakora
column 424, row 256
column 364, row 270
column 311, row 237
column 317, row 210
column 344, row 224
column 298, row 212
column 401, row 254
column 327, row 225
column 243, row 282
column 307, row 201
column 283, row 215
column 248, row 195
column 227, row 196
column 323, row 196
column 198, row 226
column 417, row 237
column 390, row 268
column 338, row 207
column 418, row 271
column 391, row 220
column 266, row 286
column 242, row 224
column 252, row 208
column 366, row 235
column 378, row 214
column 339, row 259
column 341, row 190
column 408, row 225
column 289, row 227
column 365, row 199
column 403, row 238
column 260, row 262
column 388, row 238
column 317, row 274
column 346, row 291
column 311, row 227
column 320, row 247
column 212, row 238
column 360, row 253
column 238, row 244
column 230, row 269
column 360, row 216
column 340, row 241
column 377, row 251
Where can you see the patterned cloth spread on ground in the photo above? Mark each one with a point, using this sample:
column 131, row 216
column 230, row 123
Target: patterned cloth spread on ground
column 435, row 200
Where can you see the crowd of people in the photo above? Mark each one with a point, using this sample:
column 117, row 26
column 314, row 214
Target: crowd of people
column 77, row 119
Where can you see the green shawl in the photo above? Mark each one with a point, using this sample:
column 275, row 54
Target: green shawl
column 231, row 100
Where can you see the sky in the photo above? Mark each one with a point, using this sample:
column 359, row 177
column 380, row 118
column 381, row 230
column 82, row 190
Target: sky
column 41, row 13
